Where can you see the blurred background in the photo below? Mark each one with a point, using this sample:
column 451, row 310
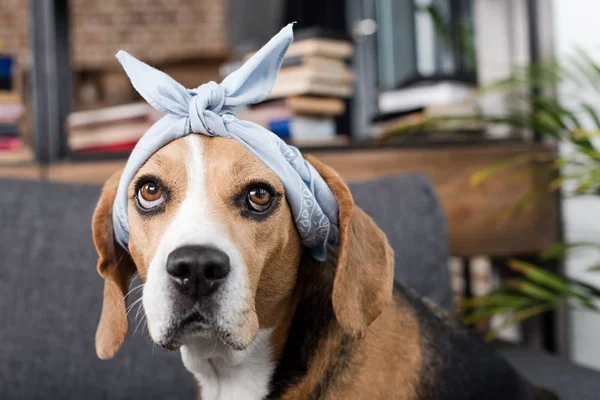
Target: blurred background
column 496, row 103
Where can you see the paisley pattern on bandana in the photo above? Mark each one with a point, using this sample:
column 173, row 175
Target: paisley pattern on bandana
column 208, row 110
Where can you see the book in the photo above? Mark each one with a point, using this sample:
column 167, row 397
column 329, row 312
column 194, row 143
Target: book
column 10, row 97
column 10, row 143
column 108, row 135
column 312, row 130
column 316, row 31
column 337, row 140
column 262, row 114
column 6, row 67
column 316, row 105
column 438, row 119
column 301, row 129
column 111, row 148
column 134, row 112
column 11, row 113
column 293, row 87
column 271, row 114
column 405, row 121
column 324, row 47
column 456, row 117
column 280, row 127
column 319, row 41
column 431, row 94
column 16, row 156
column 344, row 77
column 319, row 63
column 9, row 130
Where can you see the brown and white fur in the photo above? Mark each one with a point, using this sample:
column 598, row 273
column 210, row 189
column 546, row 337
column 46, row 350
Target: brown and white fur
column 281, row 325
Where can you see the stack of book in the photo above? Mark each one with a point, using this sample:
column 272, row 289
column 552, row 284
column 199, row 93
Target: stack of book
column 111, row 129
column 441, row 105
column 12, row 149
column 310, row 90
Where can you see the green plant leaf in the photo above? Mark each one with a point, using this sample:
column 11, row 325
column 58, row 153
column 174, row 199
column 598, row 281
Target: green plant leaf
column 467, row 41
column 496, row 299
column 520, row 316
column 560, row 250
column 591, row 111
column 552, row 109
column 557, row 251
column 595, row 291
column 481, row 176
column 579, row 65
column 524, row 78
column 531, row 289
column 526, row 200
column 594, row 268
column 565, row 288
column 483, row 314
column 587, row 66
column 540, row 276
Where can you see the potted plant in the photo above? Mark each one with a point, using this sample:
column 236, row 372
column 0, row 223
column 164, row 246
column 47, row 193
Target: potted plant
column 577, row 127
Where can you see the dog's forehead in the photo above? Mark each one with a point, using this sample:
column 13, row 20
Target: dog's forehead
column 221, row 158
column 225, row 158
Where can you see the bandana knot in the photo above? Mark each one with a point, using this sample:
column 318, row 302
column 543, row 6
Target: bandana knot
column 205, row 108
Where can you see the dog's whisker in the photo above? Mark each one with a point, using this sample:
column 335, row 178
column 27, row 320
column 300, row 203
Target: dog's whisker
column 138, row 324
column 132, row 305
column 140, row 307
column 137, row 276
column 139, row 314
column 135, row 289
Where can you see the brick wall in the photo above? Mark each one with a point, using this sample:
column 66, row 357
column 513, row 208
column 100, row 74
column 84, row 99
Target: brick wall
column 186, row 38
column 14, row 37
column 157, row 31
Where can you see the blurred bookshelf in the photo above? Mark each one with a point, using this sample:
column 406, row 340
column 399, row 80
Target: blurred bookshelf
column 333, row 76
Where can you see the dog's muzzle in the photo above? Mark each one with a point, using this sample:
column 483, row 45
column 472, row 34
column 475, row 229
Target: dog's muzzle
column 198, row 271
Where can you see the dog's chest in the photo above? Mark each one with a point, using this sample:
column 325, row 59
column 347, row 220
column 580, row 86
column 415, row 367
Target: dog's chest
column 237, row 375
column 236, row 383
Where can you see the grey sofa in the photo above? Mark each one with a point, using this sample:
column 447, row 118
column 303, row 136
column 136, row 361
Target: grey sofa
column 50, row 296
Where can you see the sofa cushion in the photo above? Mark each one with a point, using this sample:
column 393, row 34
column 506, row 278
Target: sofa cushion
column 50, row 301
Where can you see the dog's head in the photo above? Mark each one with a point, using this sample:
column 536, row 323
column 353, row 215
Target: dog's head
column 214, row 241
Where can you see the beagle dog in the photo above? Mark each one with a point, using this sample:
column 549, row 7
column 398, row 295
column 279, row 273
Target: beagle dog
column 254, row 316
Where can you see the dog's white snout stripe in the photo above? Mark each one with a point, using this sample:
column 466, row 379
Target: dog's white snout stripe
column 194, row 224
column 223, row 373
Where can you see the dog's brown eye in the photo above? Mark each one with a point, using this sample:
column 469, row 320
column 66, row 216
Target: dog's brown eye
column 259, row 199
column 150, row 195
column 150, row 191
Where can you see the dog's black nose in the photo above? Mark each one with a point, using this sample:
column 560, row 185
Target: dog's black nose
column 198, row 270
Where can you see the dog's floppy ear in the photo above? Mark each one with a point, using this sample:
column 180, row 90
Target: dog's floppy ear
column 364, row 274
column 117, row 269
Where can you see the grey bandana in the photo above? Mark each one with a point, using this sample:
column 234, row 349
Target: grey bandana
column 207, row 110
